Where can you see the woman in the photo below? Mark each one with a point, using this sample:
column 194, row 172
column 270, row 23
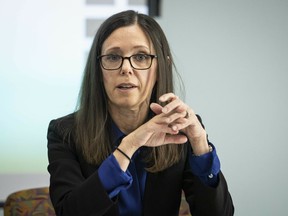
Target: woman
column 132, row 146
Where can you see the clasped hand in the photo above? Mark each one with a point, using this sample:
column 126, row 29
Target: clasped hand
column 164, row 127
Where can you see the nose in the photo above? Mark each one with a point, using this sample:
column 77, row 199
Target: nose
column 126, row 67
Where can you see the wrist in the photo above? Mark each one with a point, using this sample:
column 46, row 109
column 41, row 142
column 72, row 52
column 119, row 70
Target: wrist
column 123, row 153
column 200, row 145
column 210, row 149
column 127, row 146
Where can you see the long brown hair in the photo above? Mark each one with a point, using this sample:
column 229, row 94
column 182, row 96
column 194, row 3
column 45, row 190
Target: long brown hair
column 93, row 123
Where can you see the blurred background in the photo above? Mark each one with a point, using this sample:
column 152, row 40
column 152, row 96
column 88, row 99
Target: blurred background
column 233, row 59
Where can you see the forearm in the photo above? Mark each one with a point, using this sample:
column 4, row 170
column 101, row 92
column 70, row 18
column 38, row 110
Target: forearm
column 125, row 152
column 199, row 144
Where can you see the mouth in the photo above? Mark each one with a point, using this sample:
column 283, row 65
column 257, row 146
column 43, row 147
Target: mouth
column 126, row 86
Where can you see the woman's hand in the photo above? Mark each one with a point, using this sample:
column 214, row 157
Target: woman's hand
column 157, row 131
column 164, row 129
column 184, row 120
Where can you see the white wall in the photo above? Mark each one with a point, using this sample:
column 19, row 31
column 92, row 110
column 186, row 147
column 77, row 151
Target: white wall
column 43, row 46
column 234, row 59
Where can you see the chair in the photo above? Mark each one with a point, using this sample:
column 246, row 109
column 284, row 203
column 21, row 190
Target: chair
column 34, row 201
column 184, row 207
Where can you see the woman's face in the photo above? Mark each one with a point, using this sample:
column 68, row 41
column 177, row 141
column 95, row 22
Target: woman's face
column 127, row 87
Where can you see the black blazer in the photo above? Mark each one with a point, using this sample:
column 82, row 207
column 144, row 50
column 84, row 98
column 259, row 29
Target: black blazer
column 76, row 190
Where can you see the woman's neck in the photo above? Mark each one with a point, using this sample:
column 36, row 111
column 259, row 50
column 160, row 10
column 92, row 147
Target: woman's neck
column 128, row 120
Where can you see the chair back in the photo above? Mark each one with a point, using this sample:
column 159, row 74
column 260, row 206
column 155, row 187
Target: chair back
column 34, row 201
column 184, row 207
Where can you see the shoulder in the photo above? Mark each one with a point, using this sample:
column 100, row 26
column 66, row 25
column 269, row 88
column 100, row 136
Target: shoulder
column 63, row 122
column 62, row 126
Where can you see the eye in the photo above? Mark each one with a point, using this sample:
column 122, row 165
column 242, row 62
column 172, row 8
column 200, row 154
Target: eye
column 141, row 57
column 113, row 58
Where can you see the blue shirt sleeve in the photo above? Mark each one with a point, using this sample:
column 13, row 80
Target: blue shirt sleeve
column 206, row 167
column 112, row 177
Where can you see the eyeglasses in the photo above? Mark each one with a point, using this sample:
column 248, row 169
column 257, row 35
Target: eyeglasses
column 137, row 61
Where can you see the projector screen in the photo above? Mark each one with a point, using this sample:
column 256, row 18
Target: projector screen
column 43, row 49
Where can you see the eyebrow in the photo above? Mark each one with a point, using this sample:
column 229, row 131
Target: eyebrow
column 119, row 48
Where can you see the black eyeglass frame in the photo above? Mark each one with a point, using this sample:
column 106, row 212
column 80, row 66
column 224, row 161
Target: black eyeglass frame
column 129, row 59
